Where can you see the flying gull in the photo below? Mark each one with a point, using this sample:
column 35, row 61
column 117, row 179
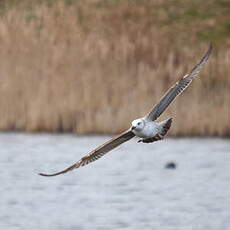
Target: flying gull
column 146, row 128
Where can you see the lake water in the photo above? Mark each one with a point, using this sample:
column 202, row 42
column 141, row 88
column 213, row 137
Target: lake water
column 129, row 188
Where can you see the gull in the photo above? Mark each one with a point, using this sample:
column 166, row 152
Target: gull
column 146, row 128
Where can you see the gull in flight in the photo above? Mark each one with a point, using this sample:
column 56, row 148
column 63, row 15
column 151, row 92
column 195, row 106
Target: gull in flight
column 146, row 128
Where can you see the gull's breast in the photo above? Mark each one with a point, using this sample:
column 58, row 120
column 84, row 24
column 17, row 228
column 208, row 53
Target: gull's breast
column 150, row 130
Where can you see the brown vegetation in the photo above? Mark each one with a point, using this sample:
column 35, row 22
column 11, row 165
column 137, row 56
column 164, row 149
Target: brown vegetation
column 90, row 67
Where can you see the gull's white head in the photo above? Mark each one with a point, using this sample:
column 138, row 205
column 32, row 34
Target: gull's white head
column 138, row 124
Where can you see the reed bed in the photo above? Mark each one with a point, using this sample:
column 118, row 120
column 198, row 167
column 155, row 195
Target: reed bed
column 89, row 67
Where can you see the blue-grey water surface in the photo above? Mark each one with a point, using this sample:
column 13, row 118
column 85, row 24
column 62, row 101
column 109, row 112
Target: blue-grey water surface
column 129, row 188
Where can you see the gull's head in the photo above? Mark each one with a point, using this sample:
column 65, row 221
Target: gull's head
column 138, row 124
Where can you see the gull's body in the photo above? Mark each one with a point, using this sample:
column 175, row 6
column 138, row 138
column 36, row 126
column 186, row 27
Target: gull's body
column 150, row 128
column 146, row 128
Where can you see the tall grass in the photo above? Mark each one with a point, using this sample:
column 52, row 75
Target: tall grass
column 92, row 67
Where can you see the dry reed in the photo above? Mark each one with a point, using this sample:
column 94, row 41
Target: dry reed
column 87, row 68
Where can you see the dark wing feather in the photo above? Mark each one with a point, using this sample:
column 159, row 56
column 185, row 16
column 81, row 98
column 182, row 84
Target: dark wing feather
column 98, row 152
column 178, row 88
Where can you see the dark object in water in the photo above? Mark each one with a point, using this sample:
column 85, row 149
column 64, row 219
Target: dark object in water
column 170, row 165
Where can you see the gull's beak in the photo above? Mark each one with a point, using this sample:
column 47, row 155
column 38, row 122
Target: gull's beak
column 133, row 127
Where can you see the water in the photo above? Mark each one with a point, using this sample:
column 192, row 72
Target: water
column 128, row 188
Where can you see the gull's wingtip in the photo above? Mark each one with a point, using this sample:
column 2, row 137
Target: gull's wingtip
column 48, row 175
column 211, row 44
column 43, row 174
column 210, row 47
column 204, row 59
column 209, row 51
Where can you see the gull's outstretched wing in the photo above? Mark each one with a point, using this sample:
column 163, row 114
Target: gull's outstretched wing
column 98, row 152
column 178, row 88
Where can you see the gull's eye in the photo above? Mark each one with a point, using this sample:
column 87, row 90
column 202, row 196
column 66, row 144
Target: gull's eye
column 138, row 123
